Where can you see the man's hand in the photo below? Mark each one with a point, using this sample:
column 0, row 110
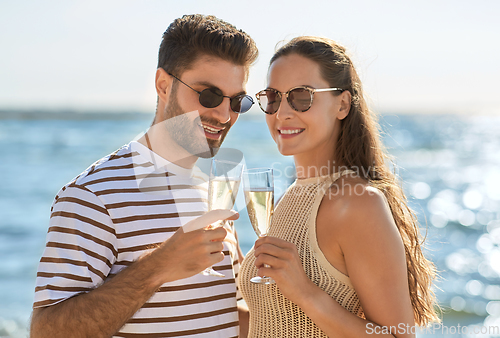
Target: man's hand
column 188, row 253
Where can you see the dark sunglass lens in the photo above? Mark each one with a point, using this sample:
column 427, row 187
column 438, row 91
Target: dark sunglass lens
column 300, row 99
column 241, row 104
column 211, row 97
column 269, row 101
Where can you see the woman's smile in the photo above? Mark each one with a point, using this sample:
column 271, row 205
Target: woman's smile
column 289, row 132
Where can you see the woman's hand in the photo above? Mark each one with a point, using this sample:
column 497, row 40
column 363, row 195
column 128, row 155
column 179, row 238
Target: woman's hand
column 285, row 267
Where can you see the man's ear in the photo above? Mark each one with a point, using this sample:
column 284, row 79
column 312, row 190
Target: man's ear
column 345, row 104
column 163, row 83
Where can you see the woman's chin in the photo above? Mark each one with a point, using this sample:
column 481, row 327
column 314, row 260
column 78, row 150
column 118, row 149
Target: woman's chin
column 285, row 151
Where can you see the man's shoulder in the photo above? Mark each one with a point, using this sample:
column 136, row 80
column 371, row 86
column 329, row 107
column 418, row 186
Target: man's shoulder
column 119, row 163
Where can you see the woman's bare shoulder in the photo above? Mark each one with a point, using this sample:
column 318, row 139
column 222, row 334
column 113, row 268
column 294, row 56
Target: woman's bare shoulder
column 351, row 206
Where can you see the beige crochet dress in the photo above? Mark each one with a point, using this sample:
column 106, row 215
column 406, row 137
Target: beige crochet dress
column 294, row 220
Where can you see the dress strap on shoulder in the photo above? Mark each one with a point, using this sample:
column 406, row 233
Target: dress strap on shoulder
column 335, row 176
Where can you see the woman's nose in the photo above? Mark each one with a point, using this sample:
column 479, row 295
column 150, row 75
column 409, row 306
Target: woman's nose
column 284, row 111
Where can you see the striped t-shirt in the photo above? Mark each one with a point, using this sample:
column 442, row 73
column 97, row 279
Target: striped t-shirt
column 119, row 208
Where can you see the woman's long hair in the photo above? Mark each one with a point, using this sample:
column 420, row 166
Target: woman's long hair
column 359, row 147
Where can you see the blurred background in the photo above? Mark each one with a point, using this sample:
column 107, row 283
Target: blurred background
column 77, row 82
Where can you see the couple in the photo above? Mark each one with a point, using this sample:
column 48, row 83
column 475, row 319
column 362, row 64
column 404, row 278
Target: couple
column 343, row 248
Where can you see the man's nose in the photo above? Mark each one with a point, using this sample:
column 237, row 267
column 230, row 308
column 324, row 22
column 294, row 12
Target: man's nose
column 223, row 111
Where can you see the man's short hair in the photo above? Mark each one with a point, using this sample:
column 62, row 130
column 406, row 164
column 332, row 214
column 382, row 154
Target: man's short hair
column 189, row 37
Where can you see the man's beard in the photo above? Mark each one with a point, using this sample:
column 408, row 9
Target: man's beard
column 184, row 131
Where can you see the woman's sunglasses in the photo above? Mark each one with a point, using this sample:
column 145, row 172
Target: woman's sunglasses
column 212, row 97
column 299, row 98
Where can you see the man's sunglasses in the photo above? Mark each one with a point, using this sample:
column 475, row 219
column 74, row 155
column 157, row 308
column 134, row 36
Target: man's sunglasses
column 299, row 98
column 212, row 97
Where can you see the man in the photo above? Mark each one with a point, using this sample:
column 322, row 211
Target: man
column 117, row 260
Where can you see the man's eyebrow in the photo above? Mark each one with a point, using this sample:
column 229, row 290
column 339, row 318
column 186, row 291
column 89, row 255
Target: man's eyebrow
column 204, row 83
column 211, row 85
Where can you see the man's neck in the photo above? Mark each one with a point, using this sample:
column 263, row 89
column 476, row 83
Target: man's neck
column 165, row 147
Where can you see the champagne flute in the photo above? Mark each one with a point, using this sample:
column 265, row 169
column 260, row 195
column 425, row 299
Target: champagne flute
column 259, row 196
column 223, row 184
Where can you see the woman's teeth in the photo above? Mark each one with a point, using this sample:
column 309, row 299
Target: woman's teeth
column 290, row 131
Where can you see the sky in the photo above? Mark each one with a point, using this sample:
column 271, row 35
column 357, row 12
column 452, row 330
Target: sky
column 413, row 56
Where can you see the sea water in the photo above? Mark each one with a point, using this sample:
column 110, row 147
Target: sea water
column 449, row 165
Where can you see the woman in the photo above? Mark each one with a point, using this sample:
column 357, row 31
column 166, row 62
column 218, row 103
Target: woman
column 343, row 248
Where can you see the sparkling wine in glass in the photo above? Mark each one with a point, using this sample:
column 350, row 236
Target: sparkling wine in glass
column 259, row 196
column 223, row 184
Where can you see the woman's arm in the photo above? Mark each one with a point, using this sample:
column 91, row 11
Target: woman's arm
column 357, row 234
